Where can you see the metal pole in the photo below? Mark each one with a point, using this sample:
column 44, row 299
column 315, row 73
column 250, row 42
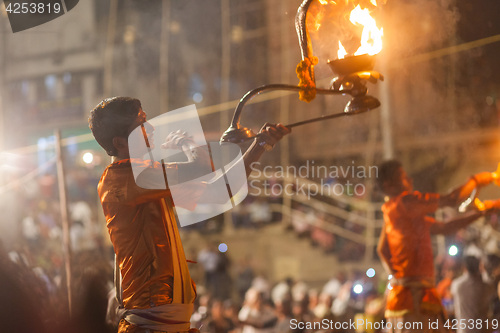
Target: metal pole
column 286, row 208
column 370, row 153
column 164, row 53
column 370, row 235
column 385, row 118
column 385, row 112
column 63, row 204
column 225, row 12
column 3, row 69
column 108, row 51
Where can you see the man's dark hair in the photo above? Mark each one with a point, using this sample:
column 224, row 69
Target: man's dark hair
column 386, row 172
column 113, row 118
column 471, row 264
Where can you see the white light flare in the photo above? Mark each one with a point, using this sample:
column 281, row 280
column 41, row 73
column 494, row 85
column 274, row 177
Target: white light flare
column 358, row 288
column 88, row 158
column 370, row 272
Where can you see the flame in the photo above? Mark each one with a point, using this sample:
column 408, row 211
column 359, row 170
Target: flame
column 317, row 25
column 342, row 52
column 371, row 37
column 315, row 16
column 370, row 40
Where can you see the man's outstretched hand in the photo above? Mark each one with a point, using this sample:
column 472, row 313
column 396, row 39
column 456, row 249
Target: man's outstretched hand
column 270, row 134
column 460, row 194
column 175, row 140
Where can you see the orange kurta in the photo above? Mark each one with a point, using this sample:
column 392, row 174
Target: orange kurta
column 407, row 230
column 143, row 230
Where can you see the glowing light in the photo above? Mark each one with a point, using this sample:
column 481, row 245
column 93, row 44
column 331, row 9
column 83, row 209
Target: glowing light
column 358, row 288
column 222, row 247
column 371, row 37
column 88, row 157
column 370, row 272
column 197, row 98
column 326, row 2
column 341, row 52
column 453, row 250
column 389, row 285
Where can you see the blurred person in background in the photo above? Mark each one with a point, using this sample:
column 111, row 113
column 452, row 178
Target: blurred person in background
column 209, row 260
column 244, row 278
column 472, row 297
column 256, row 315
column 492, row 269
column 217, row 322
column 405, row 247
column 231, row 312
column 259, row 212
column 20, row 303
column 443, row 289
column 284, row 315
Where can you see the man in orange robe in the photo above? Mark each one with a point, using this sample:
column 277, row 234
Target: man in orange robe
column 405, row 246
column 157, row 292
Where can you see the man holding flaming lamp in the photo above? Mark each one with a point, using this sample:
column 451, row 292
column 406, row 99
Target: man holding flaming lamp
column 405, row 245
column 156, row 293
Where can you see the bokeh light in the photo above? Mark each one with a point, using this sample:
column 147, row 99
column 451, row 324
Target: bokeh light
column 88, row 157
column 358, row 288
column 453, row 250
column 222, row 247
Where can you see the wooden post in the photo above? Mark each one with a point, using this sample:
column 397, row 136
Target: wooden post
column 63, row 204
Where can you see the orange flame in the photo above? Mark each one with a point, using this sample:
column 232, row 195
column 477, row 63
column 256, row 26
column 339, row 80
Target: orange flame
column 371, row 37
column 341, row 52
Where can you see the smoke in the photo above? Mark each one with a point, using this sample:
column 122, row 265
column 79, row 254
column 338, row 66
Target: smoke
column 422, row 92
column 416, row 26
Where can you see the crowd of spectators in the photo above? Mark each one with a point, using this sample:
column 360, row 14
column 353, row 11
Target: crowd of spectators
column 244, row 301
column 306, row 222
column 466, row 284
column 289, row 305
column 34, row 294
